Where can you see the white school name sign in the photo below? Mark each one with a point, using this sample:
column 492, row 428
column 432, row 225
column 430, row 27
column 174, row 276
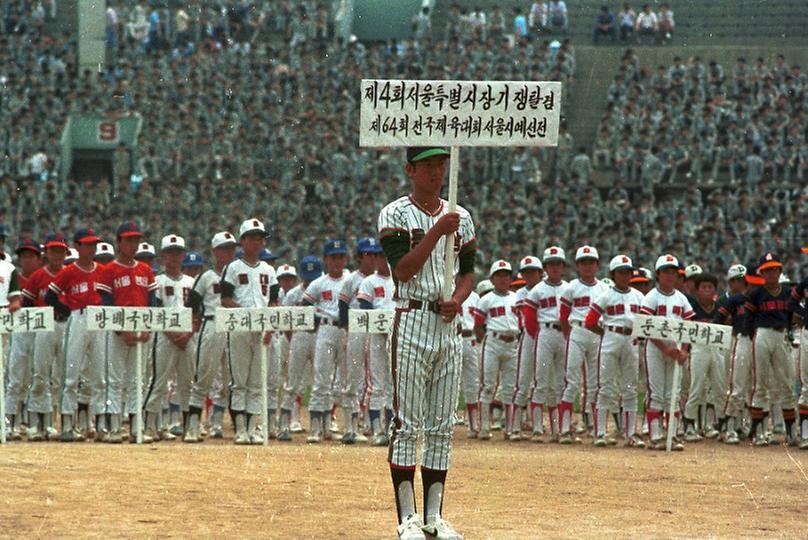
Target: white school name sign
column 459, row 113
column 265, row 319
column 370, row 321
column 26, row 320
column 139, row 319
column 691, row 332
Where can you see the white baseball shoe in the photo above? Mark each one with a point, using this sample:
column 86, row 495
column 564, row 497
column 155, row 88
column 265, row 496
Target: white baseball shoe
column 569, row 438
column 537, row 437
column 242, row 437
column 361, row 437
column 485, row 435
column 439, row 529
column 471, row 434
column 635, row 441
column 692, row 436
column 296, row 427
column 601, row 442
column 411, row 528
column 516, row 436
column 732, row 438
column 381, row 440
column 804, row 444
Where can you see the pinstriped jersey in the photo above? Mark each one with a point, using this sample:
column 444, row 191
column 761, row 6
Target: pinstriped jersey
column 497, row 312
column 578, row 296
column 545, row 298
column 617, row 308
column 404, row 215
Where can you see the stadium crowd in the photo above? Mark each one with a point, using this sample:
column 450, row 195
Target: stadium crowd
column 263, row 122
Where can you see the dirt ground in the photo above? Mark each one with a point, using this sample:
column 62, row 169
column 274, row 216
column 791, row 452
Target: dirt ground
column 495, row 490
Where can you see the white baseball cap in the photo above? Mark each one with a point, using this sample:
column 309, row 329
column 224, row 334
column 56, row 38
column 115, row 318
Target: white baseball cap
column 104, row 249
column 72, row 255
column 554, row 253
column 620, row 262
column 145, row 249
column 586, row 252
column 692, row 271
column 286, row 270
column 485, row 286
column 222, row 239
column 251, row 226
column 500, row 265
column 529, row 262
column 666, row 261
column 172, row 241
column 736, row 271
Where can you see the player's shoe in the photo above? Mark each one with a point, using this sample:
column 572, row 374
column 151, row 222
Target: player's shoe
column 779, row 429
column 348, row 438
column 471, row 434
column 175, row 430
column 115, row 437
column 37, row 436
column 166, row 435
column 792, row 441
column 803, row 444
column 360, row 437
column 191, row 437
column 732, row 438
column 67, row 436
column 79, row 436
column 285, row 435
column 635, row 441
column 676, row 445
column 334, row 427
column 712, row 433
column 216, row 432
column 485, row 435
column 101, row 436
column 692, row 436
column 554, row 438
column 569, row 438
column 242, row 438
column 439, row 529
column 657, row 444
column 611, row 441
column 51, row 433
column 516, row 436
column 601, row 442
column 147, row 439
column 296, row 427
column 581, row 429
column 256, row 438
column 411, row 528
column 537, row 437
column 381, row 440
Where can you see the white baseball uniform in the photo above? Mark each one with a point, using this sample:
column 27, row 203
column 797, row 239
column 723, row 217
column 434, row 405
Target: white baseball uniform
column 378, row 291
column 209, row 355
column 470, row 375
column 525, row 364
column 354, row 370
column 301, row 359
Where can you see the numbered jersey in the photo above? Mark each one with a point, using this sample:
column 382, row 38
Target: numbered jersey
column 405, row 216
column 351, row 288
column 497, row 312
column 617, row 308
column 173, row 292
column 378, row 291
column 208, row 286
column 545, row 297
column 467, row 311
column 578, row 296
column 251, row 283
column 323, row 293
column 36, row 287
column 76, row 286
column 129, row 286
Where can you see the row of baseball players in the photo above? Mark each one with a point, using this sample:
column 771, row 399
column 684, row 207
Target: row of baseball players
column 545, row 342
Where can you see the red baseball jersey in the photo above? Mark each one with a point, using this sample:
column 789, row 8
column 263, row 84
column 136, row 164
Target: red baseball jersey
column 129, row 285
column 37, row 286
column 76, row 287
column 23, row 280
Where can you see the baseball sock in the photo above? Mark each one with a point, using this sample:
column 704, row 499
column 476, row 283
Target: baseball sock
column 508, row 414
column 554, row 425
column 375, row 421
column 316, row 420
column 403, row 486
column 617, row 424
column 516, row 422
column 272, row 420
column 729, row 423
column 630, row 423
column 471, row 416
column 804, row 422
column 757, row 419
column 790, row 420
column 194, row 415
column 485, row 417
column 347, row 420
column 536, row 413
column 217, row 419
column 100, row 422
column 778, row 415
column 566, row 413
column 388, row 418
column 114, row 423
column 67, row 423
column 433, row 481
column 83, row 417
column 240, row 421
column 654, row 420
column 34, row 422
column 286, row 415
column 600, row 422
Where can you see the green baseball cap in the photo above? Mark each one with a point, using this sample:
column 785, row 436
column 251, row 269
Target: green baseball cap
column 417, row 153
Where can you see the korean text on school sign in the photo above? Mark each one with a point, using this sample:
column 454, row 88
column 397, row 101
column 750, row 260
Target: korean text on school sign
column 459, row 113
column 268, row 319
column 139, row 319
column 26, row 320
column 694, row 333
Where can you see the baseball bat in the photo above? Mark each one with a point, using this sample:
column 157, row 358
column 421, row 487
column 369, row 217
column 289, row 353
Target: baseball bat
column 449, row 258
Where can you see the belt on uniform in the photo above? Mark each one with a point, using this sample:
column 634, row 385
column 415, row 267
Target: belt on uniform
column 741, row 334
column 553, row 325
column 433, row 306
column 507, row 338
column 208, row 317
column 466, row 333
column 623, row 331
column 324, row 321
column 579, row 324
column 772, row 329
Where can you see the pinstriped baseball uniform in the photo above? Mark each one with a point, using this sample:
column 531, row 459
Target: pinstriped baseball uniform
column 426, row 351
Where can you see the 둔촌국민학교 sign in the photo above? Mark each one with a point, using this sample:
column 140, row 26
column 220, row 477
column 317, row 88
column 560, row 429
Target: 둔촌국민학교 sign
column 459, row 113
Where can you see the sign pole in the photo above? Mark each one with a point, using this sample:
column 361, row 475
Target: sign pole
column 677, row 374
column 3, row 395
column 264, row 392
column 448, row 270
column 138, row 392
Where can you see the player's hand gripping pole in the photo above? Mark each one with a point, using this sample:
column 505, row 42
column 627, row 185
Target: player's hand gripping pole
column 264, row 392
column 677, row 375
column 448, row 270
column 138, row 427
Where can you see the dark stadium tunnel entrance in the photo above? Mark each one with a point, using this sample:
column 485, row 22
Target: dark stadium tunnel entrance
column 91, row 165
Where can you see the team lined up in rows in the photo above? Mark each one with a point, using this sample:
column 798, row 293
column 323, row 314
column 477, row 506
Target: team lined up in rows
column 541, row 342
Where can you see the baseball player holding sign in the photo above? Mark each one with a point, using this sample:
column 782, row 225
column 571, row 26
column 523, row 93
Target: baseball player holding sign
column 426, row 349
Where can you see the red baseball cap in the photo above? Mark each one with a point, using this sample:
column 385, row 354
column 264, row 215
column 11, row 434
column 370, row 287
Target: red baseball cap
column 129, row 229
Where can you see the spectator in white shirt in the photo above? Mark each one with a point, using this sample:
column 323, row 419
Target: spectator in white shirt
column 666, row 23
column 538, row 17
column 626, row 17
column 558, row 15
column 647, row 22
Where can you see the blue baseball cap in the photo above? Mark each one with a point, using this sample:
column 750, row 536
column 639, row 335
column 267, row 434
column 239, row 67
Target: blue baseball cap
column 335, row 247
column 86, row 235
column 310, row 268
column 55, row 239
column 266, row 255
column 368, row 245
column 29, row 245
column 127, row 229
column 192, row 259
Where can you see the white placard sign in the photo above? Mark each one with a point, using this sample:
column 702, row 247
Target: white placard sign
column 139, row 319
column 459, row 113
column 694, row 333
column 269, row 319
column 370, row 321
column 35, row 319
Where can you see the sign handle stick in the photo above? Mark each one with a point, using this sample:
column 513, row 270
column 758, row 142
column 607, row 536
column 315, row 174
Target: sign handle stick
column 3, row 395
column 448, row 271
column 677, row 375
column 264, row 393
column 138, row 427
